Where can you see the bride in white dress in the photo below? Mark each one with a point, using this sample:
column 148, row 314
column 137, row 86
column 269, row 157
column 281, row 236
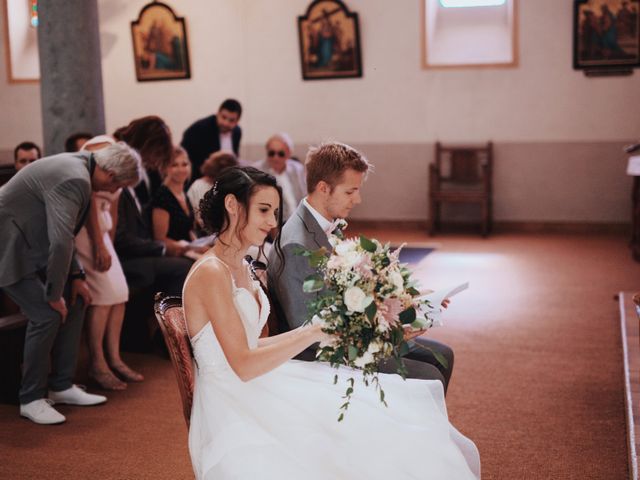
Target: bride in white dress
column 256, row 413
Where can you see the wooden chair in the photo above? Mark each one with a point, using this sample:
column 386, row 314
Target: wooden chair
column 461, row 174
column 170, row 316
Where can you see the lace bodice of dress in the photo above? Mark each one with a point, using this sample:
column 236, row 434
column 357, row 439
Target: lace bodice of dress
column 206, row 348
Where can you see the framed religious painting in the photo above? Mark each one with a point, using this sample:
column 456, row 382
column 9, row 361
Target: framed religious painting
column 329, row 39
column 606, row 35
column 160, row 48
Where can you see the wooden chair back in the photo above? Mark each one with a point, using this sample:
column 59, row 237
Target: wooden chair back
column 461, row 174
column 170, row 316
column 464, row 165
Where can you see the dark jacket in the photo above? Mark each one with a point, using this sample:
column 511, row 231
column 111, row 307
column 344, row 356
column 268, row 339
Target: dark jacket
column 133, row 236
column 202, row 138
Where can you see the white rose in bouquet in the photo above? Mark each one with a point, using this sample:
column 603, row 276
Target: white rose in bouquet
column 356, row 300
column 364, row 360
column 368, row 356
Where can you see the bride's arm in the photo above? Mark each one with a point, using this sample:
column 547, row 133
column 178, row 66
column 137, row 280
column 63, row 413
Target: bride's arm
column 227, row 325
column 264, row 341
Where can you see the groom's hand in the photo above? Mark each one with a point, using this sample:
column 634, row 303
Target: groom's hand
column 410, row 333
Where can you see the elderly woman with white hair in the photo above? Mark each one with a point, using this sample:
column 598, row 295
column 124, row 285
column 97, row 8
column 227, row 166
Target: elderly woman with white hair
column 289, row 173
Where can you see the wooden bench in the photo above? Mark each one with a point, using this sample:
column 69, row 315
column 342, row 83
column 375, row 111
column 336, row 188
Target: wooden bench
column 630, row 329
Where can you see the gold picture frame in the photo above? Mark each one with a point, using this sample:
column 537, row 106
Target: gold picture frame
column 329, row 39
column 160, row 49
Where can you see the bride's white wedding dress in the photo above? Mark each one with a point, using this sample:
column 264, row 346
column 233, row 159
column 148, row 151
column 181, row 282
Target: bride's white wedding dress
column 283, row 425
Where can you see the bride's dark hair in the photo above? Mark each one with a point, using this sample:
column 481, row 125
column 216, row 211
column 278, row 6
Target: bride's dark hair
column 242, row 183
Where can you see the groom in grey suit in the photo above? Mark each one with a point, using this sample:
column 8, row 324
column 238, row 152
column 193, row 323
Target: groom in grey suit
column 42, row 208
column 335, row 173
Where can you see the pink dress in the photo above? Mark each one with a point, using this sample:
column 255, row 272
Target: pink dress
column 110, row 287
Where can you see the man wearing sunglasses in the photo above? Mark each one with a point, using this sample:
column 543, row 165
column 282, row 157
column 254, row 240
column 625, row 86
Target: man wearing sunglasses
column 289, row 173
column 213, row 133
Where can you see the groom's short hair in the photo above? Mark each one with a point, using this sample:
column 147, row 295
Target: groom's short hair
column 328, row 162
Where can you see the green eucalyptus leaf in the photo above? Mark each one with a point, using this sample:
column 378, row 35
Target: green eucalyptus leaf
column 302, row 251
column 419, row 323
column 441, row 359
column 353, row 353
column 318, row 257
column 403, row 349
column 367, row 245
column 371, row 311
column 313, row 283
column 408, row 315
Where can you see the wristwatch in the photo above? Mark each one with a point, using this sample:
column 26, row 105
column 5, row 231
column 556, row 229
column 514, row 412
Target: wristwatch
column 79, row 275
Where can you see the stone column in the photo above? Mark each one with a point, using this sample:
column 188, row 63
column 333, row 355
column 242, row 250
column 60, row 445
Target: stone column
column 70, row 70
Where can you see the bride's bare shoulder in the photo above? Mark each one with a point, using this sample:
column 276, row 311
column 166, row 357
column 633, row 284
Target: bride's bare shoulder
column 211, row 272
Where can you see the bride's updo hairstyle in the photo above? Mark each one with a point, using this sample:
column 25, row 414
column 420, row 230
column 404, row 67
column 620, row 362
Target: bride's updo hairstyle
column 242, row 183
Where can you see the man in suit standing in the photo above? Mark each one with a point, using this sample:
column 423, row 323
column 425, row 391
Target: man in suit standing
column 213, row 133
column 288, row 172
column 41, row 210
column 335, row 173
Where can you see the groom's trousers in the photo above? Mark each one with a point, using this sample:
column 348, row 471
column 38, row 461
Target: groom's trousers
column 421, row 363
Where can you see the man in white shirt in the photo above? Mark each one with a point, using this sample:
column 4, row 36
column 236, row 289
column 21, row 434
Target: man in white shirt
column 289, row 173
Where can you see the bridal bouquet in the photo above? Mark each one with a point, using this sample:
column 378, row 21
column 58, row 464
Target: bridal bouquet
column 366, row 299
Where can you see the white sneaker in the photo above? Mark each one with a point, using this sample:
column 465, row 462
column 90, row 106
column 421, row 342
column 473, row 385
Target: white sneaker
column 40, row 411
column 76, row 395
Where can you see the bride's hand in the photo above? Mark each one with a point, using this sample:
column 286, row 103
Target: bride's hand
column 320, row 336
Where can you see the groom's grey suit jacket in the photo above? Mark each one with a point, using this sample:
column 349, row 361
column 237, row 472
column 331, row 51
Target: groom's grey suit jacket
column 285, row 285
column 290, row 302
column 42, row 208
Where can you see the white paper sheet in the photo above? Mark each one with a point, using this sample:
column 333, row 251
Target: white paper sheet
column 435, row 299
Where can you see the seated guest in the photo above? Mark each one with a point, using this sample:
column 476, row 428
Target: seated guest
column 171, row 211
column 24, row 154
column 289, row 173
column 210, row 170
column 74, row 142
column 148, row 263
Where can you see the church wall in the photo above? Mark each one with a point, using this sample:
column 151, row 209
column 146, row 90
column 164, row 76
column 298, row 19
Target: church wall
column 558, row 135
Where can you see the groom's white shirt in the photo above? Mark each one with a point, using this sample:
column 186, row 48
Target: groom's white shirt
column 325, row 225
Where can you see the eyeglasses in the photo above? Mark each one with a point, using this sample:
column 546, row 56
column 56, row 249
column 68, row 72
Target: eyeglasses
column 280, row 153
